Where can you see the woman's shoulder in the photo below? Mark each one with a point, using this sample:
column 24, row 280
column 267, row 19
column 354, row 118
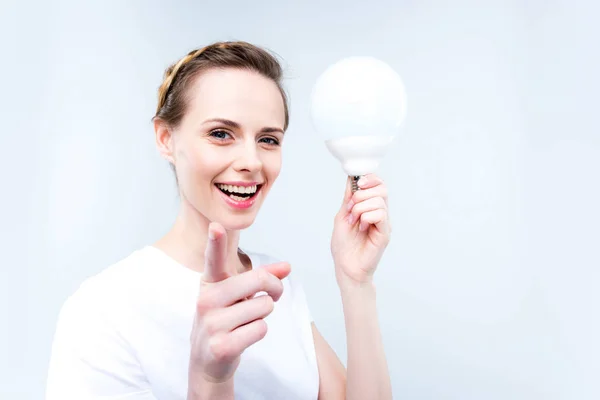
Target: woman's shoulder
column 89, row 337
column 117, row 274
column 111, row 288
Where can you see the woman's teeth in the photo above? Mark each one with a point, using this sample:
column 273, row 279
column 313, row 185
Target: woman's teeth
column 237, row 189
column 238, row 193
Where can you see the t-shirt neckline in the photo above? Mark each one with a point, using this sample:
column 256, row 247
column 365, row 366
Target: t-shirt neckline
column 254, row 262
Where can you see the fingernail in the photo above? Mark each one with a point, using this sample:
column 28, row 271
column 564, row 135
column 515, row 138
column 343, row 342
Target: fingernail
column 350, row 205
column 211, row 234
column 362, row 182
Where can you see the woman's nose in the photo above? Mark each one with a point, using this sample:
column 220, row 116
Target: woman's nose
column 248, row 159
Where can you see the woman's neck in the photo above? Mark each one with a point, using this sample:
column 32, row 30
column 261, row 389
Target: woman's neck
column 186, row 241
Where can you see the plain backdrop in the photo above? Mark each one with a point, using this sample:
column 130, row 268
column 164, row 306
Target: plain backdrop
column 489, row 288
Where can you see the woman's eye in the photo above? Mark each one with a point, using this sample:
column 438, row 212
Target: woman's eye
column 270, row 141
column 221, row 135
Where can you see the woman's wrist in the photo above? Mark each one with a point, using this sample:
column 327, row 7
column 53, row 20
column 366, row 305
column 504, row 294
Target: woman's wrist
column 351, row 286
column 357, row 291
column 202, row 389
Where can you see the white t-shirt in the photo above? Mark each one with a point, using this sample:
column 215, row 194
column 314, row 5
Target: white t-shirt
column 125, row 334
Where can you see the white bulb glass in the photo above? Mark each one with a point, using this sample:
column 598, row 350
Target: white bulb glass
column 358, row 105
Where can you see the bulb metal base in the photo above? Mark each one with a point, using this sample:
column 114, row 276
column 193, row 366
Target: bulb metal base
column 355, row 183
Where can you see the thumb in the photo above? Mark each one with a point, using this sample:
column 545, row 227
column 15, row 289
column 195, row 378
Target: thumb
column 279, row 269
column 215, row 255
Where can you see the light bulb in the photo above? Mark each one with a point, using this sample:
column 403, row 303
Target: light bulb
column 358, row 105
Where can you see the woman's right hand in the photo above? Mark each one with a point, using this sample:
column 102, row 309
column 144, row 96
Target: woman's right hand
column 229, row 318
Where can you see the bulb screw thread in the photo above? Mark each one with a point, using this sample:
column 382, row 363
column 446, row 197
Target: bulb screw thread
column 355, row 183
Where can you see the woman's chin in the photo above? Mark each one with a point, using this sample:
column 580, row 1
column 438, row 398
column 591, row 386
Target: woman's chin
column 237, row 222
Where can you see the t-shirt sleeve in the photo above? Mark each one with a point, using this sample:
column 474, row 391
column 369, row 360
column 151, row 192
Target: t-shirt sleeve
column 303, row 317
column 89, row 359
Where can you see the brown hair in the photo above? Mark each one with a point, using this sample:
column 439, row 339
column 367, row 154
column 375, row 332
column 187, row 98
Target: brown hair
column 173, row 95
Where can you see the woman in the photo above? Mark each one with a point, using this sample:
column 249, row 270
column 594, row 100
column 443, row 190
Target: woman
column 193, row 316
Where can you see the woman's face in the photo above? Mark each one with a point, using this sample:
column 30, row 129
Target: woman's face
column 227, row 148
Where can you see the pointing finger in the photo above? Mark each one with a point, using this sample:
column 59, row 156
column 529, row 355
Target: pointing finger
column 215, row 267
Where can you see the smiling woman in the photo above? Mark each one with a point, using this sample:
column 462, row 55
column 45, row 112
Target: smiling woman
column 230, row 133
column 193, row 316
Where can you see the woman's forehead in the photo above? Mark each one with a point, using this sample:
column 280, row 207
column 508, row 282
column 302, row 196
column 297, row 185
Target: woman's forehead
column 240, row 95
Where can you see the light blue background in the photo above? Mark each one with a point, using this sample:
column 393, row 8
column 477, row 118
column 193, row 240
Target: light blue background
column 489, row 289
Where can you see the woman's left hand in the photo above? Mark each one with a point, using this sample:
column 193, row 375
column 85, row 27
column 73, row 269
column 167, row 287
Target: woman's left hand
column 361, row 231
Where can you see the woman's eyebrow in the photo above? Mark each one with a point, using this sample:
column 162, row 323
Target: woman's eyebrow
column 235, row 125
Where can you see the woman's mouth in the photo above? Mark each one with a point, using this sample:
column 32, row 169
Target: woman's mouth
column 239, row 196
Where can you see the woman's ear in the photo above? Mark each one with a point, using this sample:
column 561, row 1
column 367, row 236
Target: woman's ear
column 164, row 140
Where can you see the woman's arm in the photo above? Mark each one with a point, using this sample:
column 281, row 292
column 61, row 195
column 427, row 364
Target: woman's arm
column 367, row 376
column 332, row 374
column 361, row 234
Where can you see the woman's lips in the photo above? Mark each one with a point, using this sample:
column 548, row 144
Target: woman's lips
column 240, row 204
